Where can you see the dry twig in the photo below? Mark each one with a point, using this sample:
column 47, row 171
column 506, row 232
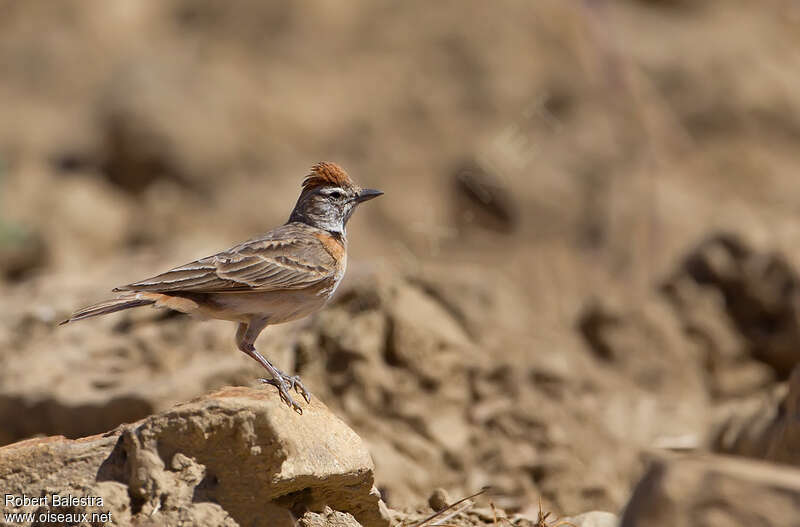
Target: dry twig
column 542, row 519
column 435, row 515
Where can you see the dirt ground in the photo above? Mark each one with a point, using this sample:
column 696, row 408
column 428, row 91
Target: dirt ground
column 587, row 250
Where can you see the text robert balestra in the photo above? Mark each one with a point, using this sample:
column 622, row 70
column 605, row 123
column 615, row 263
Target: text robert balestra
column 52, row 500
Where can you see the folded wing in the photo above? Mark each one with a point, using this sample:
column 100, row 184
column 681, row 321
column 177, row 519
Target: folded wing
column 279, row 260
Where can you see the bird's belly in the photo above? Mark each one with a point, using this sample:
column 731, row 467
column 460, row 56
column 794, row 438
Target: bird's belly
column 277, row 306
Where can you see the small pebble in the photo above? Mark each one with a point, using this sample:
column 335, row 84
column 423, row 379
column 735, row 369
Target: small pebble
column 439, row 500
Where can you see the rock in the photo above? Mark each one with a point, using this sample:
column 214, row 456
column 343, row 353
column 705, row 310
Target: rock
column 758, row 295
column 744, row 426
column 537, row 516
column 424, row 335
column 328, row 518
column 439, row 500
column 784, row 441
column 21, row 252
column 767, row 427
column 741, row 379
column 714, row 491
column 644, row 346
column 235, row 457
column 483, row 199
column 594, row 519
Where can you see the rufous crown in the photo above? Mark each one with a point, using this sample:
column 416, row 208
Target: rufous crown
column 327, row 173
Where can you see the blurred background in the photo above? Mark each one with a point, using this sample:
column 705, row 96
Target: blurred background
column 587, row 249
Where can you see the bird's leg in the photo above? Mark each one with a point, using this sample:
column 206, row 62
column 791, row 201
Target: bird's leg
column 249, row 334
column 246, row 335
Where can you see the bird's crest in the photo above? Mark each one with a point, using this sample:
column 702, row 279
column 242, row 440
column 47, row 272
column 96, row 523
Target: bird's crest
column 326, row 173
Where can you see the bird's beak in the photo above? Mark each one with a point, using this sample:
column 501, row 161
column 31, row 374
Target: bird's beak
column 367, row 194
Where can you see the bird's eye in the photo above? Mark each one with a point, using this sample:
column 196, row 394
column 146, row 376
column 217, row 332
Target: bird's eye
column 335, row 194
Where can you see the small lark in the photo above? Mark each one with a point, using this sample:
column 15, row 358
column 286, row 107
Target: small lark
column 283, row 275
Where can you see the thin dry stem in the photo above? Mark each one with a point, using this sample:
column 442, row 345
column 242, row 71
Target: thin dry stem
column 542, row 519
column 450, row 507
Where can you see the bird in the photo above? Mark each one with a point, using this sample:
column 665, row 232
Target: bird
column 280, row 276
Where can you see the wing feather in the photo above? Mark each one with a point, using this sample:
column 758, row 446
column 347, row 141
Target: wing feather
column 285, row 258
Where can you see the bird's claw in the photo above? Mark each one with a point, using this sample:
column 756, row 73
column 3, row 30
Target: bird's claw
column 284, row 383
column 294, row 382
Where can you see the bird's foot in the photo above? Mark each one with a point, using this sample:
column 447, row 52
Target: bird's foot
column 284, row 383
column 295, row 383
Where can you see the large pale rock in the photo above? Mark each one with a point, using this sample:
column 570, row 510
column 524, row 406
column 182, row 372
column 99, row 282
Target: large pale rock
column 235, row 457
column 715, row 491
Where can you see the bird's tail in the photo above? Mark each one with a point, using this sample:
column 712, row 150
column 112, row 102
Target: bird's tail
column 125, row 301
